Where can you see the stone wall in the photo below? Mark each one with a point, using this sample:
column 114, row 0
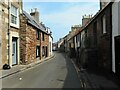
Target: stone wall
column 28, row 42
column 31, row 42
column 4, row 27
column 101, row 41
column 23, row 24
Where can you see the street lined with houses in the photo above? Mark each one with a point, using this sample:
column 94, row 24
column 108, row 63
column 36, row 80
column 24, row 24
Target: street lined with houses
column 87, row 57
column 63, row 74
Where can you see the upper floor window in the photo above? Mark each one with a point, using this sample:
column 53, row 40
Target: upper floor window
column 104, row 24
column 14, row 15
column 38, row 34
column 76, row 39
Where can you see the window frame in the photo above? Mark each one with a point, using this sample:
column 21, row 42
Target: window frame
column 43, row 38
column 38, row 34
column 14, row 16
column 103, row 24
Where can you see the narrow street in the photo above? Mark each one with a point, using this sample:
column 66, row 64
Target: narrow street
column 57, row 72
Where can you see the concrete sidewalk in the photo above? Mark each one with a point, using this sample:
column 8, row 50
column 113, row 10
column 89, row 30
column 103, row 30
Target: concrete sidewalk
column 19, row 68
column 97, row 78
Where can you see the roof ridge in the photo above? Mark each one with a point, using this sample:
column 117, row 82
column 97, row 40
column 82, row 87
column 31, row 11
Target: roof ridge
column 34, row 22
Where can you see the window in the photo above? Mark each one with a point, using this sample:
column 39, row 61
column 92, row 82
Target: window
column 14, row 14
column 43, row 37
column 37, row 51
column 103, row 24
column 38, row 34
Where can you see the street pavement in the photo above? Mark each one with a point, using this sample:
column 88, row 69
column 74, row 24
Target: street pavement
column 57, row 72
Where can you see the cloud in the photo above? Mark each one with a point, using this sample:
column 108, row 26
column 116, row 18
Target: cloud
column 70, row 15
column 66, row 0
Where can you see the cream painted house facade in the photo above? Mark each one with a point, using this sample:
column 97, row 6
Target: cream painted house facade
column 9, row 35
column 50, row 45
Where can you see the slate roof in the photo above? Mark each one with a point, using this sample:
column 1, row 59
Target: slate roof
column 33, row 22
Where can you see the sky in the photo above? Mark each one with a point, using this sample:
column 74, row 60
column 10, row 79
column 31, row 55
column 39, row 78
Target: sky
column 60, row 16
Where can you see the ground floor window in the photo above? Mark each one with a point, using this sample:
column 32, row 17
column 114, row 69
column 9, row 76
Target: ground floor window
column 43, row 51
column 37, row 51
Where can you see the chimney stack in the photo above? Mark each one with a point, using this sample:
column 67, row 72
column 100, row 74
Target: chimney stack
column 35, row 14
column 85, row 19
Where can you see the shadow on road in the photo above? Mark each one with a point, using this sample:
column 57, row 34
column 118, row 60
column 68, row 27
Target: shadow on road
column 72, row 80
column 94, row 78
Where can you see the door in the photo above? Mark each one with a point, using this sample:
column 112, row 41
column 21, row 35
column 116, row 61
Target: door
column 14, row 51
column 46, row 51
column 117, row 54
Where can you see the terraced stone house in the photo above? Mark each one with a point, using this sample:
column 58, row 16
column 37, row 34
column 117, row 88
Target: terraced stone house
column 34, row 38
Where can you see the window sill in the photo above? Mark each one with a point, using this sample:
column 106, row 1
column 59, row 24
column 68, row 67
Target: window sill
column 14, row 25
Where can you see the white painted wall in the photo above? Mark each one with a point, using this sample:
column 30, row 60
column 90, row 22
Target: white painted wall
column 75, row 43
column 115, row 28
column 50, row 45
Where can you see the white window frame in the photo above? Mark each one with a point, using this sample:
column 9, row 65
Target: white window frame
column 37, row 51
column 17, row 17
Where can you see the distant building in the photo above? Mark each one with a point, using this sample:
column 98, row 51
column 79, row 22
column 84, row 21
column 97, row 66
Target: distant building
column 54, row 46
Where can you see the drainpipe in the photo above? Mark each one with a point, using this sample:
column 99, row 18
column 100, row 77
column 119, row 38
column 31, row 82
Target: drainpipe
column 8, row 32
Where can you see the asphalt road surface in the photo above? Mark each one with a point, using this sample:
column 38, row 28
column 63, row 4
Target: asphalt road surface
column 57, row 72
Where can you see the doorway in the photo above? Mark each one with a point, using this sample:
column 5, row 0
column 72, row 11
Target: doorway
column 46, row 55
column 117, row 54
column 14, row 51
